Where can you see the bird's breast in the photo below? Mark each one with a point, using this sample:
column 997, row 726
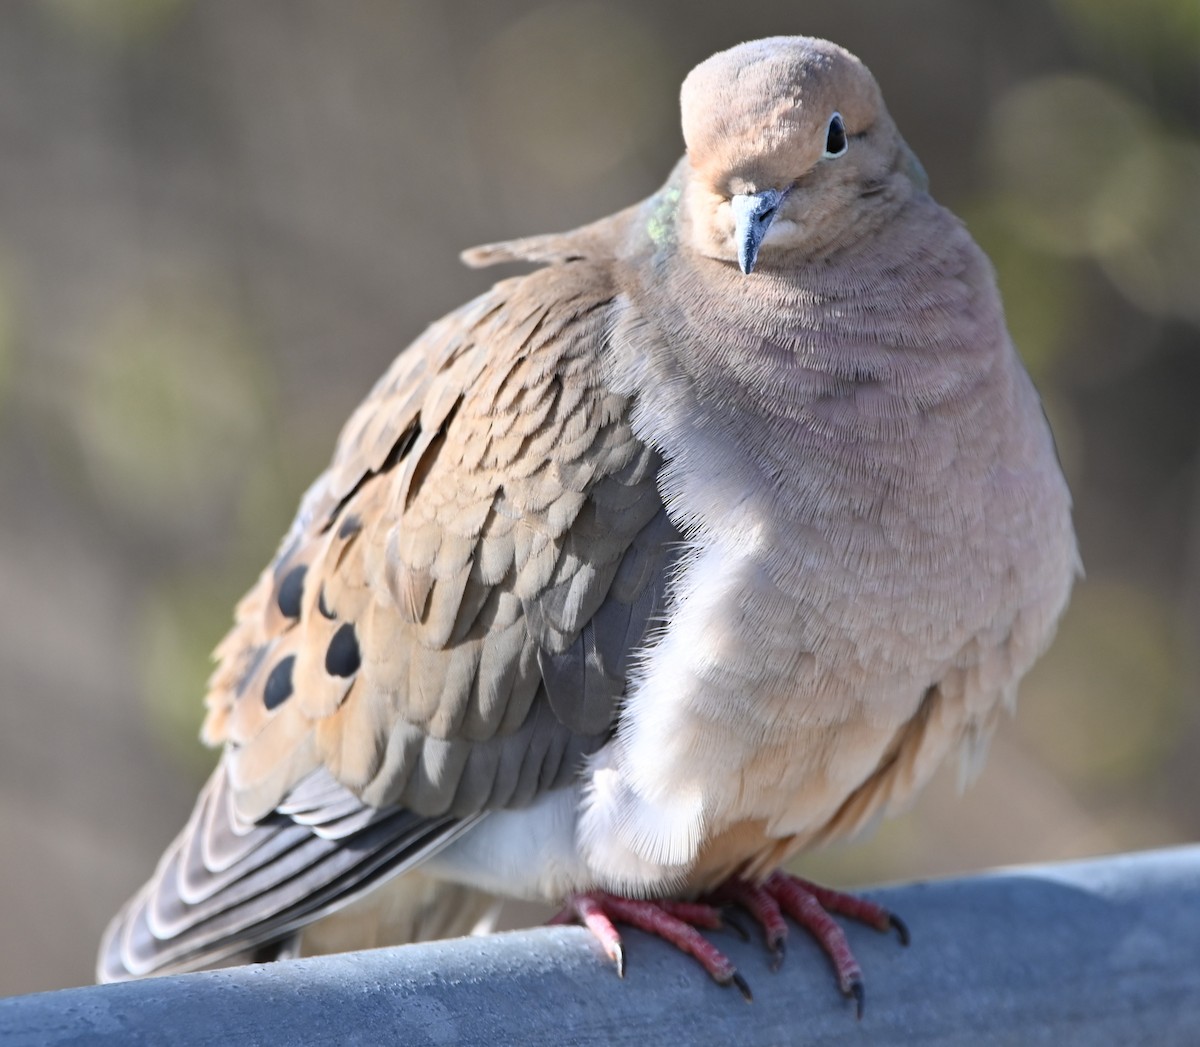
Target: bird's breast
column 872, row 506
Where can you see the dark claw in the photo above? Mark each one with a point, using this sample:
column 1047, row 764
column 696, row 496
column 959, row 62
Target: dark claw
column 743, row 987
column 900, row 927
column 856, row 991
column 778, row 953
column 730, row 920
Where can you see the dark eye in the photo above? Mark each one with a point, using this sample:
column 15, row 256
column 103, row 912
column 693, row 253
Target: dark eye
column 835, row 137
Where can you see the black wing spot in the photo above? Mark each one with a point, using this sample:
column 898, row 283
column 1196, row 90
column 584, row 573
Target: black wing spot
column 342, row 657
column 323, row 606
column 278, row 688
column 350, row 526
column 291, row 592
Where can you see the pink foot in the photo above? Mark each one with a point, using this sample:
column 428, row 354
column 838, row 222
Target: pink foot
column 674, row 922
column 810, row 905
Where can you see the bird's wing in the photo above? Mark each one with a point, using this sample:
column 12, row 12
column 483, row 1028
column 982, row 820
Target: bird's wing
column 445, row 630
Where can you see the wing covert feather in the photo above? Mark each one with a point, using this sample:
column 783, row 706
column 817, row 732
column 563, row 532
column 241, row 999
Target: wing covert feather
column 445, row 628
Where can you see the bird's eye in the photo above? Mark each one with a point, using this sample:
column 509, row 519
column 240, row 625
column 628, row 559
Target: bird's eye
column 835, row 137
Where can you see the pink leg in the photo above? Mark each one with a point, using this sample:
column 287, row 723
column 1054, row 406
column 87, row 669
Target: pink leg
column 804, row 908
column 810, row 905
column 696, row 913
column 853, row 907
column 674, row 922
column 764, row 908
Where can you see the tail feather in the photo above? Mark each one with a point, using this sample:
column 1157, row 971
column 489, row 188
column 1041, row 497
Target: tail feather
column 225, row 890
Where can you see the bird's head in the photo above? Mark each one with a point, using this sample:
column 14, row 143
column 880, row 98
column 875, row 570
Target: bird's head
column 790, row 152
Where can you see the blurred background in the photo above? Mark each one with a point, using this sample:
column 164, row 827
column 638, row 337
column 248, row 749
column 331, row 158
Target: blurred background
column 219, row 221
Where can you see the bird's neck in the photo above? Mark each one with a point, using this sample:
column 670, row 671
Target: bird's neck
column 912, row 313
column 860, row 357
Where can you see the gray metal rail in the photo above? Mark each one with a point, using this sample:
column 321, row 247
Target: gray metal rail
column 1098, row 952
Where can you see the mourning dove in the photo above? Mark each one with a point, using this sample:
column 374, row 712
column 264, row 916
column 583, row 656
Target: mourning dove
column 702, row 544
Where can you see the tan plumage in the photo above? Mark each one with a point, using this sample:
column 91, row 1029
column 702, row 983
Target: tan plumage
column 638, row 572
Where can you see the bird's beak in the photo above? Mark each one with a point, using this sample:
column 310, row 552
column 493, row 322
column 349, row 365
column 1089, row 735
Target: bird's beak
column 753, row 214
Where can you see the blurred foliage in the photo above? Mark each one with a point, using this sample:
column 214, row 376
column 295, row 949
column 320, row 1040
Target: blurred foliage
column 1042, row 292
column 1157, row 31
column 115, row 21
column 598, row 94
column 174, row 422
column 170, row 412
column 1160, row 270
column 1084, row 171
column 1105, row 706
column 1078, row 165
column 7, row 338
column 175, row 636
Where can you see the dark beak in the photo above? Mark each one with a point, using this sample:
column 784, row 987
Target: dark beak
column 753, row 214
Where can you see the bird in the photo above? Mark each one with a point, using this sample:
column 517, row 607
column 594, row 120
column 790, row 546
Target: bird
column 697, row 546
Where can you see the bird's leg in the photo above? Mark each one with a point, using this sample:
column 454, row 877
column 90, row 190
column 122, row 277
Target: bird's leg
column 781, row 894
column 762, row 907
column 810, row 905
column 674, row 922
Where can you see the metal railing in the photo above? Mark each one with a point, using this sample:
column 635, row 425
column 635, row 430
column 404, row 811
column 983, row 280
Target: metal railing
column 1099, row 952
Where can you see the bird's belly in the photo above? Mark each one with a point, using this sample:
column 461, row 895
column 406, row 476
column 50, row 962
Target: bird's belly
column 762, row 712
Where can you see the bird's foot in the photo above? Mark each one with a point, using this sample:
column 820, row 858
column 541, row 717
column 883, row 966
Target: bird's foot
column 811, row 906
column 674, row 922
